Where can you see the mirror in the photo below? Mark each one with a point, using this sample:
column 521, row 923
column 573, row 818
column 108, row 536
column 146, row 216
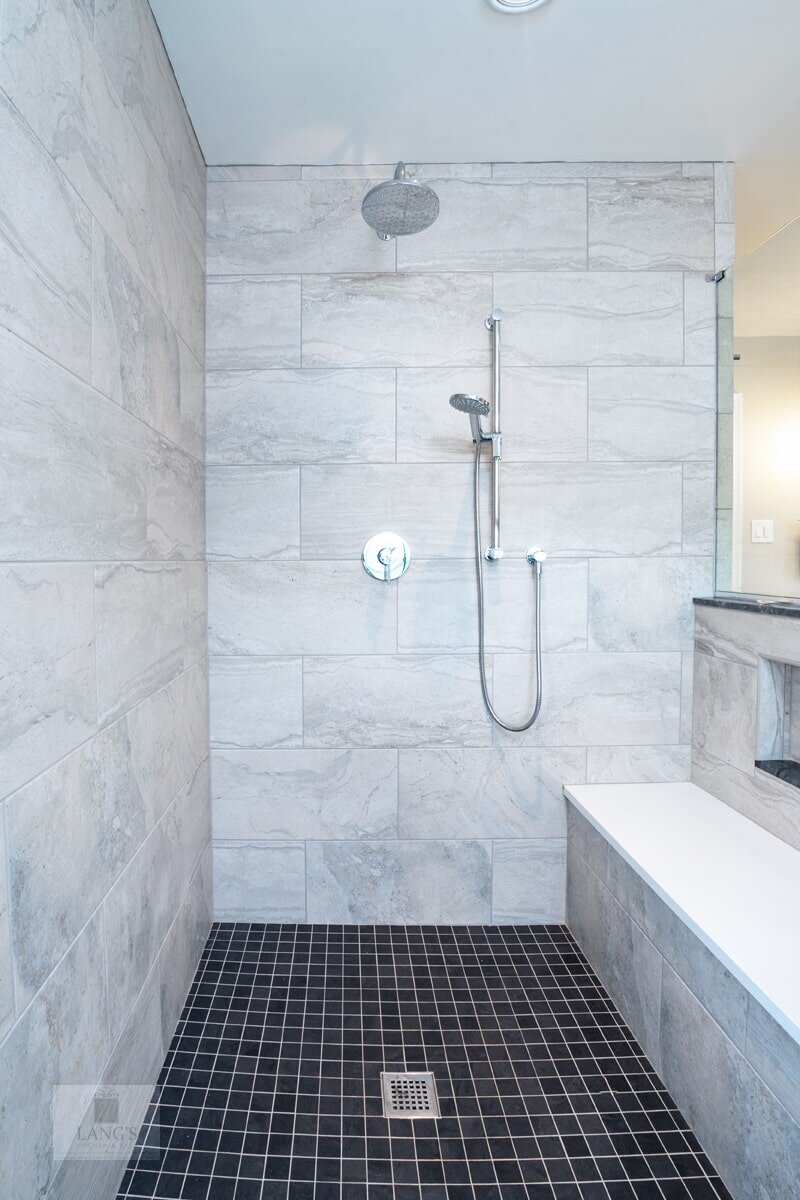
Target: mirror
column 758, row 421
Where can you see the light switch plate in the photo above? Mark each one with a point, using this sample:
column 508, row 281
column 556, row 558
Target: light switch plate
column 762, row 531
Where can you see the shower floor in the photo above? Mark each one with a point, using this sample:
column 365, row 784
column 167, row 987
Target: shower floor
column 271, row 1088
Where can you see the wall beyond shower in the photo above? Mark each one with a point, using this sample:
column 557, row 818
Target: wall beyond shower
column 355, row 774
column 104, row 807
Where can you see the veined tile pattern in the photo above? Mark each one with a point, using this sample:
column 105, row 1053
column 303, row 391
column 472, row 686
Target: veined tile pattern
column 351, row 751
column 105, row 835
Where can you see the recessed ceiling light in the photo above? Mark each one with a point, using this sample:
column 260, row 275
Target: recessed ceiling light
column 514, row 6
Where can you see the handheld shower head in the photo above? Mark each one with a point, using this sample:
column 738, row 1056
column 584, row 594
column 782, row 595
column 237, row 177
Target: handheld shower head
column 475, row 407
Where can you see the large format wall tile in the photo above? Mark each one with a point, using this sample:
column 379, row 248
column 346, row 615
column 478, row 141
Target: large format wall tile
column 486, row 793
column 638, row 764
column 54, row 78
column 175, row 502
column 301, row 416
column 47, row 687
column 256, row 703
column 543, row 413
column 637, row 224
column 6, row 961
column 725, row 711
column 259, row 881
column 592, row 699
column 501, row 226
column 399, row 882
column 438, row 610
column 395, row 320
column 645, row 603
column 285, row 794
column 63, row 495
column 268, row 227
column 529, row 882
column 343, row 506
column 595, row 319
column 176, row 277
column 253, row 322
column 253, row 512
column 585, row 509
column 45, row 251
column 385, row 700
column 658, row 413
column 298, row 608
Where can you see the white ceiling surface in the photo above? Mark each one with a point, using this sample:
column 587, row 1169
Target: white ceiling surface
column 371, row 81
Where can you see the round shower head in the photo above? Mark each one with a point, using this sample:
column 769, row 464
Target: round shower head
column 466, row 403
column 400, row 206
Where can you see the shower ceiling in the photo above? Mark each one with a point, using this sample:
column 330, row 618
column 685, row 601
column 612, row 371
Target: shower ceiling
column 365, row 82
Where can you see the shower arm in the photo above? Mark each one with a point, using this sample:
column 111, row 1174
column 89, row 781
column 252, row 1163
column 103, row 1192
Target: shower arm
column 494, row 551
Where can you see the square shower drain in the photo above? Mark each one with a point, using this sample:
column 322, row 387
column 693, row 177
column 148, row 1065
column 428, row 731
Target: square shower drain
column 409, row 1094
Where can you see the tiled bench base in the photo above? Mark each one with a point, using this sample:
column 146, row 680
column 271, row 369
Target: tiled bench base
column 733, row 1071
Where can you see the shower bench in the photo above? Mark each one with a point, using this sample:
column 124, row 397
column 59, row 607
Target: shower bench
column 690, row 914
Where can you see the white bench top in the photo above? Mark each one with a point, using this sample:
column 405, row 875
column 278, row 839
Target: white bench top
column 735, row 885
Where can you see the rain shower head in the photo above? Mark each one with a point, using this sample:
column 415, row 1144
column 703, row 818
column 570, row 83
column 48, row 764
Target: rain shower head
column 400, row 206
column 475, row 407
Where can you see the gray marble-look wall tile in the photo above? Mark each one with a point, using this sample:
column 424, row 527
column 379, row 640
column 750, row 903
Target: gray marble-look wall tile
column 192, row 403
column 45, row 251
column 253, row 321
column 282, row 227
column 725, row 711
column 724, row 191
column 687, row 697
column 724, row 245
column 698, row 508
column 377, row 171
column 658, row 413
column 54, row 78
column 135, row 353
column 385, row 700
column 647, row 224
column 486, row 793
column 259, row 881
column 131, row 50
column 301, row 416
column 772, row 711
column 585, row 841
column 529, row 882
column 399, row 882
column 544, row 413
column 141, row 617
column 700, row 320
column 638, row 764
column 47, row 687
column 175, row 275
column 395, row 320
column 585, row 509
column 586, row 170
column 343, row 506
column 222, row 173
column 175, row 501
column 769, row 802
column 256, row 703
column 775, row 1055
column 592, row 699
column 180, row 952
column 591, row 319
column 64, row 495
column 192, row 185
column 437, row 606
column 70, row 833
column 253, row 512
column 277, row 795
column 61, row 1039
column 6, row 960
column 299, row 608
column 745, row 637
column 645, row 603
column 501, row 225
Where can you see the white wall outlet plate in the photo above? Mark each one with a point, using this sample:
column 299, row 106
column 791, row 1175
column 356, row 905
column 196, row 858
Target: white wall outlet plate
column 762, row 531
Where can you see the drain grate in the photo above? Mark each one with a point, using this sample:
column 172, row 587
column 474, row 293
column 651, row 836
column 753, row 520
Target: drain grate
column 409, row 1094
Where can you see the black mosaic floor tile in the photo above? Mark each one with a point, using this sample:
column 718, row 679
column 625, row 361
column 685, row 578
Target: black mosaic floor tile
column 271, row 1087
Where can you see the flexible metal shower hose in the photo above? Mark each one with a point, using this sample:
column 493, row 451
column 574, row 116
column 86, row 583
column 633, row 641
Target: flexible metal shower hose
column 537, row 587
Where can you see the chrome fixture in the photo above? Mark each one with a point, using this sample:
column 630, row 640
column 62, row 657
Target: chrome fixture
column 515, row 6
column 400, row 206
column 386, row 557
column 477, row 408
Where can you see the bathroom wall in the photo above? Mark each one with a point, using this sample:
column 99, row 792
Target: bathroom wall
column 355, row 774
column 104, row 812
